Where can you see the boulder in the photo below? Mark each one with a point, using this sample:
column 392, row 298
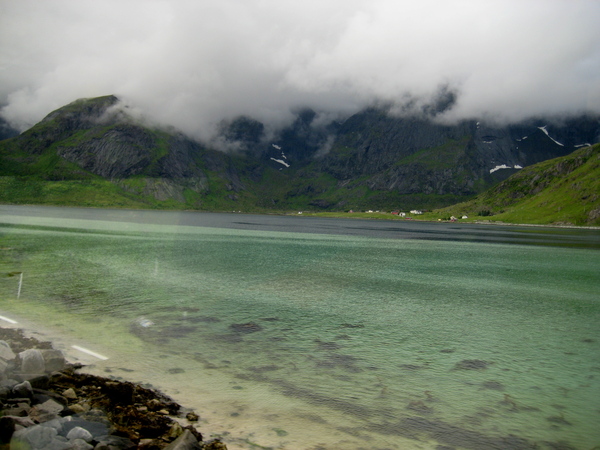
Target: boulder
column 32, row 361
column 54, row 360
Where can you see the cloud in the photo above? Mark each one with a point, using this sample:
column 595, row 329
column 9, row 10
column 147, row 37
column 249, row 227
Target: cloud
column 191, row 64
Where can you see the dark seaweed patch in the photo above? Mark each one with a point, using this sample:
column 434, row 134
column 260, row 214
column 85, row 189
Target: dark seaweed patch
column 471, row 364
column 245, row 328
column 336, row 360
column 446, row 434
column 203, row 319
column 227, row 338
column 493, row 385
column 321, row 345
column 261, row 369
column 411, row 367
column 352, row 325
column 420, row 407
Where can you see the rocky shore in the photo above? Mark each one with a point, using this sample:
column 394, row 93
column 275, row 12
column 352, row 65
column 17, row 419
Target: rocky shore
column 47, row 404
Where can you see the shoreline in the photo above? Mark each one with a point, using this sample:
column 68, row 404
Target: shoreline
column 323, row 215
column 56, row 398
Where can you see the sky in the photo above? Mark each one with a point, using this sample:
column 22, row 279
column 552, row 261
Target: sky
column 194, row 63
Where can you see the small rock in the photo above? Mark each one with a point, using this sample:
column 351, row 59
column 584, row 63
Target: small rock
column 192, row 417
column 46, row 411
column 70, row 394
column 79, row 433
column 80, row 408
column 214, row 444
column 175, row 431
column 187, row 441
column 79, row 444
column 23, row 390
column 18, row 410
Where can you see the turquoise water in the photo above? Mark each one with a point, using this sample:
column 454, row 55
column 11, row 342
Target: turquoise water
column 311, row 340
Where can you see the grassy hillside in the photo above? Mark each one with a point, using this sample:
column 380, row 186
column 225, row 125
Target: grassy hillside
column 563, row 190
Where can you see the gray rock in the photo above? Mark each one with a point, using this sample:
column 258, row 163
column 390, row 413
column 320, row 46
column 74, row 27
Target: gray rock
column 54, row 360
column 6, row 352
column 46, row 411
column 20, row 409
column 79, row 433
column 97, row 427
column 187, row 441
column 23, row 390
column 80, row 444
column 32, row 361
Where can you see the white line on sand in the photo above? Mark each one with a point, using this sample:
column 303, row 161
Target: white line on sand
column 8, row 320
column 89, row 352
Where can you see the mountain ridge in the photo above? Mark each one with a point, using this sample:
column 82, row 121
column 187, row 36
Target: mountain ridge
column 370, row 160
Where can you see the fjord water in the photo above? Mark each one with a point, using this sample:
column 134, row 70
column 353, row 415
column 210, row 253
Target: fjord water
column 304, row 333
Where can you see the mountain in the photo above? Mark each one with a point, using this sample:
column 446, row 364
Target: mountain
column 92, row 152
column 563, row 190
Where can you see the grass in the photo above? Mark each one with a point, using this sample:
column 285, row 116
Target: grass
column 564, row 190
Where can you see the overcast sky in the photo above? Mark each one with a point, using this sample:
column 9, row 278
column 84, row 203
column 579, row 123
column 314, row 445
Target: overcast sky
column 191, row 63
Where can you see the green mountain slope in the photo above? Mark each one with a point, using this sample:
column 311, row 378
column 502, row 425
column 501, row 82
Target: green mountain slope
column 92, row 153
column 563, row 190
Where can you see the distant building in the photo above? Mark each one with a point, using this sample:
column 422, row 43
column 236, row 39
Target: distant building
column 416, row 211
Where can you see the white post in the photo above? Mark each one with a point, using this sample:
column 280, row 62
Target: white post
column 20, row 284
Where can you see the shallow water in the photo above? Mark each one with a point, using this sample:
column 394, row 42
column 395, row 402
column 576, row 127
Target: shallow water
column 301, row 333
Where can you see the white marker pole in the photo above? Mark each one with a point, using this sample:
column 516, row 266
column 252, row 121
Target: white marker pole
column 20, row 284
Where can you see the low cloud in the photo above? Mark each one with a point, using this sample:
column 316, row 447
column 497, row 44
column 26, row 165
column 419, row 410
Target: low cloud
column 192, row 64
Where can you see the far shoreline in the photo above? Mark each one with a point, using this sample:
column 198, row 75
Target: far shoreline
column 324, row 215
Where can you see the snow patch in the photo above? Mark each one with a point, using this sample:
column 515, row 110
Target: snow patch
column 276, row 146
column 546, row 133
column 504, row 166
column 281, row 161
column 587, row 144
